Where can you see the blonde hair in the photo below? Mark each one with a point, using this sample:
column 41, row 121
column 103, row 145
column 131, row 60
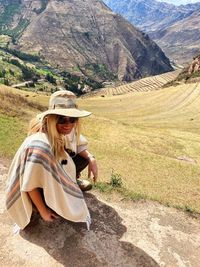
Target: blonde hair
column 34, row 126
column 57, row 141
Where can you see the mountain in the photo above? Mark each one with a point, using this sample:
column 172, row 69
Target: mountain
column 150, row 15
column 179, row 2
column 155, row 18
column 181, row 41
column 82, row 37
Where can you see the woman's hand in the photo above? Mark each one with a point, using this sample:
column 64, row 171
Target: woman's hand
column 48, row 215
column 92, row 169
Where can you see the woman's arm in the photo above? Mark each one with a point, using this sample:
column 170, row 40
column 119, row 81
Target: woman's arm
column 92, row 166
column 46, row 213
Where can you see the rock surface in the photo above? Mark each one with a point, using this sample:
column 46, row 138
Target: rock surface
column 128, row 234
column 195, row 65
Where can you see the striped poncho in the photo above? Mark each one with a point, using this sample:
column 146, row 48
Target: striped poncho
column 34, row 166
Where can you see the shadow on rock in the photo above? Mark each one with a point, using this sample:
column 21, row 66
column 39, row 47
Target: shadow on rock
column 71, row 244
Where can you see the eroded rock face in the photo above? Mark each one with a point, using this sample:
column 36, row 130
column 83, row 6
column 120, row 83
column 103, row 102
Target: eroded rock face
column 86, row 37
column 195, row 66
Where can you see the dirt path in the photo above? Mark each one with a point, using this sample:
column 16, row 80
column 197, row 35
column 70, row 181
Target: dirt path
column 123, row 234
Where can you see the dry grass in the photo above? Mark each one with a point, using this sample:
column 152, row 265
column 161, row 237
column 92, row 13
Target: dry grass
column 10, row 100
column 151, row 139
column 143, row 85
column 16, row 109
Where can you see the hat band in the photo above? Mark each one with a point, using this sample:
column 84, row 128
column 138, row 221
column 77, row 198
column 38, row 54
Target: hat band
column 63, row 106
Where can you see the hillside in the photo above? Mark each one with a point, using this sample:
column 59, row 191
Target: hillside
column 101, row 45
column 152, row 16
column 155, row 130
column 189, row 74
column 174, row 28
column 181, row 40
column 154, row 139
column 31, row 72
column 143, row 85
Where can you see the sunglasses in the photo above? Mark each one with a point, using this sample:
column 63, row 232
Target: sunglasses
column 65, row 120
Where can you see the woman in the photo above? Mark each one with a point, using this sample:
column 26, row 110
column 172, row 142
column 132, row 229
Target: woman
column 43, row 173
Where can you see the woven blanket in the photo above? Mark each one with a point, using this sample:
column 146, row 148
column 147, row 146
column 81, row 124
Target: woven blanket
column 34, row 166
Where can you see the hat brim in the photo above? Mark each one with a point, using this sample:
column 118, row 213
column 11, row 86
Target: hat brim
column 69, row 112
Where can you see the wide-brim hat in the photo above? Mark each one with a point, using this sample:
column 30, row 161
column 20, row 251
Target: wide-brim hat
column 63, row 103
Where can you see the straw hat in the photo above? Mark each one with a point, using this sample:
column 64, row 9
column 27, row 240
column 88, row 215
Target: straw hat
column 63, row 103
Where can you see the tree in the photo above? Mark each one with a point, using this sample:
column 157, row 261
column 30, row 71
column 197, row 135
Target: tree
column 50, row 78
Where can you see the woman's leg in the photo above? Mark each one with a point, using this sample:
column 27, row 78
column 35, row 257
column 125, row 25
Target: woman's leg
column 80, row 163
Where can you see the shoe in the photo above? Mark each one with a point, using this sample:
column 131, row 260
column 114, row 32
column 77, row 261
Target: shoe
column 84, row 185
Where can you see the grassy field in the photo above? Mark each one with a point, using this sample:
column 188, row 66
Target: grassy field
column 151, row 140
column 16, row 109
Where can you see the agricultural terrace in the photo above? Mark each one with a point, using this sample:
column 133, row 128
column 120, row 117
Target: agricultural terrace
column 142, row 85
column 152, row 140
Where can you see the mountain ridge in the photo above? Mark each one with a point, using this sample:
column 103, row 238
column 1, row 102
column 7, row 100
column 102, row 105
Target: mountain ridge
column 157, row 18
column 101, row 44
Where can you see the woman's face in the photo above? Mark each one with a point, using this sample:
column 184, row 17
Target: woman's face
column 65, row 124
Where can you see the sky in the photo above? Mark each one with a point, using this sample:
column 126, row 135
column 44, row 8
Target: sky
column 179, row 2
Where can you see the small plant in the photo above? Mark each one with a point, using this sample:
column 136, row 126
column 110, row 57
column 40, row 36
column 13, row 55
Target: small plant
column 103, row 187
column 188, row 209
column 115, row 180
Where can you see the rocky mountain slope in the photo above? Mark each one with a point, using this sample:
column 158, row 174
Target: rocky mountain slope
column 195, row 66
column 190, row 74
column 150, row 15
column 164, row 23
column 82, row 37
column 181, row 41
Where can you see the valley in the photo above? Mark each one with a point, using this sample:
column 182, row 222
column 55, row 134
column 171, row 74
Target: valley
column 144, row 128
column 174, row 27
column 101, row 46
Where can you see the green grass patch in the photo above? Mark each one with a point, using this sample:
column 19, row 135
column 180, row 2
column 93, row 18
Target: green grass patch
column 12, row 133
column 127, row 194
column 116, row 185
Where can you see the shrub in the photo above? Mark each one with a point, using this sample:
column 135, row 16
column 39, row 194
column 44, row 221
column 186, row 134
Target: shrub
column 116, row 179
column 50, row 78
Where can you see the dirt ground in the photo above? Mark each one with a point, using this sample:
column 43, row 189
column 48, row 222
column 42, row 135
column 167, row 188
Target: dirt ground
column 123, row 234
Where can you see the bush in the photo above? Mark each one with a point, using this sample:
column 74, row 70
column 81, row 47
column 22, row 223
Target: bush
column 50, row 78
column 115, row 180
